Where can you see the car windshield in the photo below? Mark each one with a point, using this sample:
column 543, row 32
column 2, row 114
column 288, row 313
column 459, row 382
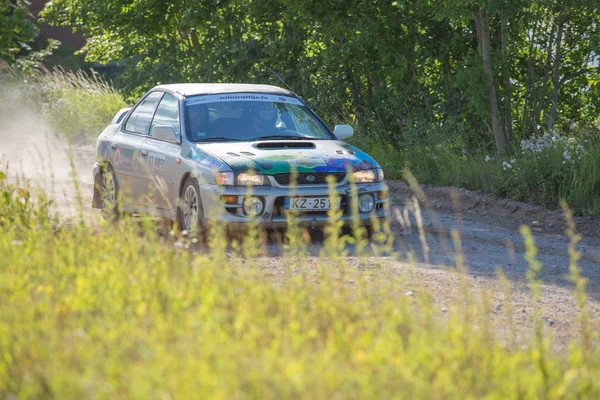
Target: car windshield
column 251, row 117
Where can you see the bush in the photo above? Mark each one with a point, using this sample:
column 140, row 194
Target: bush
column 543, row 169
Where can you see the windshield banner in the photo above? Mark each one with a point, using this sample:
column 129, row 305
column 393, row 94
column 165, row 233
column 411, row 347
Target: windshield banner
column 225, row 97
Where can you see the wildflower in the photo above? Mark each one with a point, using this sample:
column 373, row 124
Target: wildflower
column 506, row 166
column 512, row 161
column 488, row 158
column 567, row 155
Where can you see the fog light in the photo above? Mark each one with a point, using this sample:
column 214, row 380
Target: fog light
column 253, row 206
column 366, row 202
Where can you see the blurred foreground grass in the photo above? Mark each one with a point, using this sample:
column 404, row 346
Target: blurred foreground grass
column 118, row 311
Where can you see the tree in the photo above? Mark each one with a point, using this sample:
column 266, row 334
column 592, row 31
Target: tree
column 17, row 29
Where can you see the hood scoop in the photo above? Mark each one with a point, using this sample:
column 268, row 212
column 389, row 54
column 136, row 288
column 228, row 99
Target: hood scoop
column 285, row 145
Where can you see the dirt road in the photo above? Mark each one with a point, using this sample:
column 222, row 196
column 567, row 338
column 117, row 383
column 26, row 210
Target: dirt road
column 488, row 227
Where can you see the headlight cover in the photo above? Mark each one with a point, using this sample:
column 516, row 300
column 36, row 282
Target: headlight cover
column 225, row 178
column 368, row 176
column 245, row 179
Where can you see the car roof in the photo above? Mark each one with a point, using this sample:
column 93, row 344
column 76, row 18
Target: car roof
column 191, row 89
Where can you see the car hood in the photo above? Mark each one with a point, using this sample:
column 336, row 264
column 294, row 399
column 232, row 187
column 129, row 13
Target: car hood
column 275, row 157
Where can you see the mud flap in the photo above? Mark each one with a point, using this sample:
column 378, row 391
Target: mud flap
column 96, row 203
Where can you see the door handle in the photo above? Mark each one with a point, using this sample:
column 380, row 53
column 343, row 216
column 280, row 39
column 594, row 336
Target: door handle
column 113, row 146
column 144, row 153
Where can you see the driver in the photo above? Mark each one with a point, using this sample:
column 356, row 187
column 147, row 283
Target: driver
column 198, row 115
column 264, row 117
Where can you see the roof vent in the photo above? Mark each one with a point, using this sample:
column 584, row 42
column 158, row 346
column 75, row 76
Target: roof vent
column 234, row 154
column 285, row 145
column 247, row 153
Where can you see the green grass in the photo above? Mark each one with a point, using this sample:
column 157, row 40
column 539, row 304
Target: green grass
column 76, row 104
column 118, row 311
column 544, row 177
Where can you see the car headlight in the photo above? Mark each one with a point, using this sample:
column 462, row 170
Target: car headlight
column 245, row 179
column 225, row 178
column 368, row 176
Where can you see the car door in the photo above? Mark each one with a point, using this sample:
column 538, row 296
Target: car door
column 125, row 148
column 160, row 170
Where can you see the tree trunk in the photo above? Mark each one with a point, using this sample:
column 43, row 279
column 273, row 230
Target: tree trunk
column 542, row 103
column 508, row 133
column 355, row 95
column 556, row 72
column 483, row 32
column 529, row 98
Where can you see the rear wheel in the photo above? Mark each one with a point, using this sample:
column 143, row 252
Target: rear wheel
column 109, row 194
column 191, row 213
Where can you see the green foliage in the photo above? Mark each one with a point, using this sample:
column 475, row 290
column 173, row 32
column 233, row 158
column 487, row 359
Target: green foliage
column 119, row 311
column 391, row 67
column 77, row 104
column 544, row 169
column 17, row 29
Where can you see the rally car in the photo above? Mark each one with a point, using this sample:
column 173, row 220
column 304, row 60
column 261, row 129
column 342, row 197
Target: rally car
column 232, row 153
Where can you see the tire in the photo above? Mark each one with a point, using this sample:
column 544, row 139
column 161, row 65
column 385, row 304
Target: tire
column 190, row 213
column 109, row 194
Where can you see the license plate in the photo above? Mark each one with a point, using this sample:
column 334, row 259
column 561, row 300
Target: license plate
column 309, row 203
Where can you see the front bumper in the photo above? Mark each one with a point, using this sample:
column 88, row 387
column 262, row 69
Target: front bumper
column 274, row 214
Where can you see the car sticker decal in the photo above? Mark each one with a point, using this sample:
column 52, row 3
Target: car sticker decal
column 220, row 98
column 156, row 161
column 308, row 162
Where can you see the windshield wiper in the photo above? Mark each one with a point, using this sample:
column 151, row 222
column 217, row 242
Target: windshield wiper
column 217, row 139
column 283, row 137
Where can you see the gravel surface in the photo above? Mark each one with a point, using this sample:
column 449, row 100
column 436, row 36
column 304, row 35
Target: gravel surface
column 424, row 258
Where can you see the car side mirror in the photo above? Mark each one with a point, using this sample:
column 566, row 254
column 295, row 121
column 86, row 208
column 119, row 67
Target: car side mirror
column 343, row 131
column 164, row 132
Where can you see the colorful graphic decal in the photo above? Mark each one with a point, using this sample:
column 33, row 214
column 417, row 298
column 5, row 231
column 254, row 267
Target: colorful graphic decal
column 244, row 157
column 319, row 163
column 103, row 148
column 204, row 158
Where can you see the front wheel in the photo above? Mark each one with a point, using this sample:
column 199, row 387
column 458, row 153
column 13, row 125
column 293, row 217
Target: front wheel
column 191, row 213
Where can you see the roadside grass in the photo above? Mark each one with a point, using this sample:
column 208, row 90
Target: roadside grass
column 544, row 170
column 78, row 104
column 118, row 310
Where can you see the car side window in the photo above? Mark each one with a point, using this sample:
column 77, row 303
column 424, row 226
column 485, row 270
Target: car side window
column 167, row 113
column 140, row 118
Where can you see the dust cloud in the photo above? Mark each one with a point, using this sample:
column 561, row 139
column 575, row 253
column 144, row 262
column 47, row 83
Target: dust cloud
column 36, row 155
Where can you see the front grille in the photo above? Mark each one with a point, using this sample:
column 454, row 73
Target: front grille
column 279, row 208
column 303, row 179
